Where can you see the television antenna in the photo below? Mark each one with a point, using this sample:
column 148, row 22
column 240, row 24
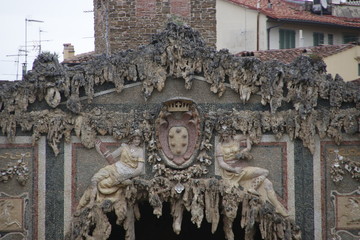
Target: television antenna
column 20, row 53
column 26, row 23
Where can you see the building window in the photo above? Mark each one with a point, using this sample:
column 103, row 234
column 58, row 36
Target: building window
column 287, row 38
column 318, row 38
column 330, row 39
column 347, row 38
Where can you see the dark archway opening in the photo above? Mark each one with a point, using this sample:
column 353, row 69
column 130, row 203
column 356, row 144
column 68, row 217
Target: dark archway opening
column 151, row 227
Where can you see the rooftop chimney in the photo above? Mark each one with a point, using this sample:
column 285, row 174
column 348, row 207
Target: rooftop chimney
column 69, row 51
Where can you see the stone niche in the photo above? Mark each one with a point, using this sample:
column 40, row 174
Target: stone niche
column 177, row 138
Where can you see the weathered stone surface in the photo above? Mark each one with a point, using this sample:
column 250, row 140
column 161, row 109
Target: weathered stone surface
column 201, row 197
column 299, row 100
column 180, row 52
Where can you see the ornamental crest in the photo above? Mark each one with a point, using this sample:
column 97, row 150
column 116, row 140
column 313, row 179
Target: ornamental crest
column 178, row 132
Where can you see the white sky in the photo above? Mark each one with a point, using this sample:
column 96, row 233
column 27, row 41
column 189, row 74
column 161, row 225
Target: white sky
column 64, row 22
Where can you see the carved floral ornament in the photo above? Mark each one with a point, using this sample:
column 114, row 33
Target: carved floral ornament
column 342, row 165
column 19, row 169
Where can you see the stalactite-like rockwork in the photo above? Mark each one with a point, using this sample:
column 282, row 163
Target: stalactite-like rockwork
column 179, row 52
column 211, row 199
column 58, row 125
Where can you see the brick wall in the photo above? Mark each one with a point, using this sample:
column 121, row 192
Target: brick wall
column 124, row 24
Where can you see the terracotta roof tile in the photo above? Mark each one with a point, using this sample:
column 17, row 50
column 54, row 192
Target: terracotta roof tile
column 356, row 81
column 287, row 11
column 79, row 58
column 289, row 55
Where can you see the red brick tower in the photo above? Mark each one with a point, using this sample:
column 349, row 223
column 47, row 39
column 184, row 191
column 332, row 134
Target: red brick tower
column 124, row 24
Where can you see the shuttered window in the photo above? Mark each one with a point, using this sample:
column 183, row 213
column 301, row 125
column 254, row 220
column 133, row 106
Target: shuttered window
column 318, row 38
column 287, row 38
column 347, row 38
column 330, row 39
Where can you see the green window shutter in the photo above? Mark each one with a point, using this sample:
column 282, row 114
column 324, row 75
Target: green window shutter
column 347, row 38
column 318, row 38
column 282, row 39
column 292, row 39
column 321, row 38
column 330, row 39
column 287, row 38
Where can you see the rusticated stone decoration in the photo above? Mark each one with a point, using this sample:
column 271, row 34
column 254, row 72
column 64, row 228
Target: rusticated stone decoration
column 178, row 132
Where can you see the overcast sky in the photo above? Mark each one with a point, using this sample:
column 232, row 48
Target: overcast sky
column 64, row 21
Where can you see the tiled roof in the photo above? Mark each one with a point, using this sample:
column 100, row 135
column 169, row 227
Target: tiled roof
column 79, row 58
column 282, row 10
column 356, row 81
column 289, row 55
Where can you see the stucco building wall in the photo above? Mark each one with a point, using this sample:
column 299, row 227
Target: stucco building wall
column 345, row 63
column 307, row 34
column 237, row 28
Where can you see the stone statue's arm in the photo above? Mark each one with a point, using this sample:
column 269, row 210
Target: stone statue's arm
column 118, row 151
column 105, row 152
column 245, row 153
column 248, row 146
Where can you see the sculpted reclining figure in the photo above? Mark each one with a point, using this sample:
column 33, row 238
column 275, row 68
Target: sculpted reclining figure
column 127, row 162
column 233, row 165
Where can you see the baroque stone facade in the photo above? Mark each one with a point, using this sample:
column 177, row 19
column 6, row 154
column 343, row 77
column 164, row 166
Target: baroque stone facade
column 178, row 133
column 127, row 24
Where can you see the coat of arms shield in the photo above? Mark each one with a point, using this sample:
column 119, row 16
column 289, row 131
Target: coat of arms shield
column 178, row 132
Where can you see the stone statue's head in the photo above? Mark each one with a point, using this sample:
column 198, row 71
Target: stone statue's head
column 136, row 137
column 226, row 133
